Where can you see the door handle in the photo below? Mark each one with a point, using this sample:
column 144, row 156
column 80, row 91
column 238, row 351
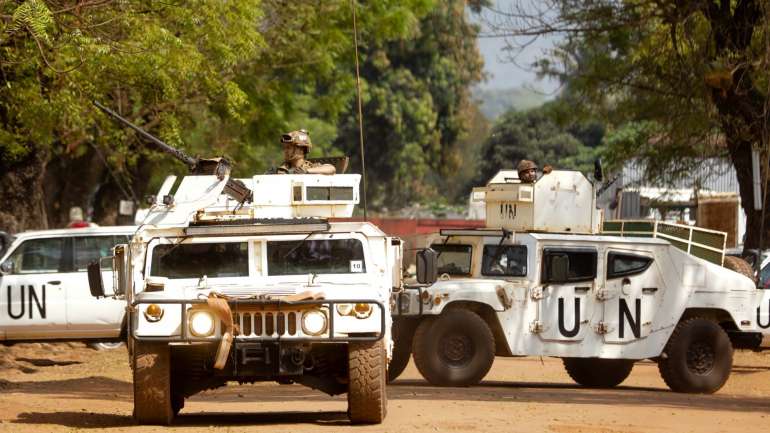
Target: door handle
column 54, row 282
column 582, row 289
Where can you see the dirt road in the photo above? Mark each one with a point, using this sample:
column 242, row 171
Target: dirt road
column 68, row 387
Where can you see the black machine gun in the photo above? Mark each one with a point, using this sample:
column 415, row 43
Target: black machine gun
column 219, row 167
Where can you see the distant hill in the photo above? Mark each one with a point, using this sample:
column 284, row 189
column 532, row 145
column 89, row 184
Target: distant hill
column 494, row 102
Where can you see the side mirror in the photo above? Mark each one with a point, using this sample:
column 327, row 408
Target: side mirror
column 6, row 267
column 598, row 172
column 95, row 282
column 427, row 266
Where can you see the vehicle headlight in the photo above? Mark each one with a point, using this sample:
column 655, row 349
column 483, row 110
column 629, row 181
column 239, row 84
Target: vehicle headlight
column 153, row 313
column 201, row 323
column 363, row 310
column 314, row 322
column 345, row 309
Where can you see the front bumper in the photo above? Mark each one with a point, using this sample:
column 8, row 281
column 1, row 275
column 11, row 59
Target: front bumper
column 264, row 312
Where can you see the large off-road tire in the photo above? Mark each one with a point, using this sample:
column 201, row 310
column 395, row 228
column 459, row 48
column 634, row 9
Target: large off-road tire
column 402, row 332
column 367, row 394
column 455, row 349
column 698, row 357
column 598, row 372
column 737, row 264
column 153, row 396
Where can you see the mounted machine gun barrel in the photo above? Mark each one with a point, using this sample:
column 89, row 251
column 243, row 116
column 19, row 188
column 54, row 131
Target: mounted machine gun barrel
column 219, row 167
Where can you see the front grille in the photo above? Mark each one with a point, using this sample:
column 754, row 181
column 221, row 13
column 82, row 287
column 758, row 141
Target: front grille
column 267, row 324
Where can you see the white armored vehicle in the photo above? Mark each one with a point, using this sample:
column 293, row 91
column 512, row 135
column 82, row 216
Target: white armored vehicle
column 544, row 279
column 219, row 290
column 247, row 280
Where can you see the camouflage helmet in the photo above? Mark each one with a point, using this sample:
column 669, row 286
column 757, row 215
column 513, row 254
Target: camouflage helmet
column 525, row 165
column 299, row 138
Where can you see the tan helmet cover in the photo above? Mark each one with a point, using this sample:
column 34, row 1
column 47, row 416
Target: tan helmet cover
column 526, row 164
column 299, row 138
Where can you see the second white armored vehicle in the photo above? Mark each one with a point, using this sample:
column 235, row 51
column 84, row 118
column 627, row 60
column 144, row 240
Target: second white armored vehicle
column 544, row 279
column 219, row 290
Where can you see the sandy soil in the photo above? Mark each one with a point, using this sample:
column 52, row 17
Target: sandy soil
column 68, row 387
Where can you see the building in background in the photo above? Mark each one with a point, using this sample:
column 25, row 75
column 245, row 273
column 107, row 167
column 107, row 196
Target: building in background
column 707, row 197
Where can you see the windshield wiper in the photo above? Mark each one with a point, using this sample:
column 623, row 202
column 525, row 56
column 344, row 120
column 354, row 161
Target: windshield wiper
column 299, row 244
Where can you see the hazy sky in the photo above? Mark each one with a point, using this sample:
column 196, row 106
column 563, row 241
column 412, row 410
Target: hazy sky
column 503, row 72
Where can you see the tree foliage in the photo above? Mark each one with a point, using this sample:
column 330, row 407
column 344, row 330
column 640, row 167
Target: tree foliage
column 676, row 79
column 217, row 78
column 541, row 135
column 416, row 104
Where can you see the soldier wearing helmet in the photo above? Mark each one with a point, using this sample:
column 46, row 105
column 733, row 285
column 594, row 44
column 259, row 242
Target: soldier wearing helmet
column 527, row 171
column 296, row 145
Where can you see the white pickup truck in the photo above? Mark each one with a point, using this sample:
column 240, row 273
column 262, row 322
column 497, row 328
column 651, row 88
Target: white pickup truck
column 44, row 293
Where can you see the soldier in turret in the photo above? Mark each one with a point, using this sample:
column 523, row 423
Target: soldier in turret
column 296, row 146
column 527, row 171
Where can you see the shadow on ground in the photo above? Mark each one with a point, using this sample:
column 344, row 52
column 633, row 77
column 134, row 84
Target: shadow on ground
column 101, row 388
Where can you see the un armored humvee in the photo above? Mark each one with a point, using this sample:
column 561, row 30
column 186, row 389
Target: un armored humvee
column 543, row 279
column 220, row 290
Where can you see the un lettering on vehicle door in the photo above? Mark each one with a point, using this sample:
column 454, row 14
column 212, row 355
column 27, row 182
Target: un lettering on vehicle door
column 630, row 296
column 567, row 303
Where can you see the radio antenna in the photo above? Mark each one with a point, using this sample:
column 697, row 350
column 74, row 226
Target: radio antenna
column 360, row 109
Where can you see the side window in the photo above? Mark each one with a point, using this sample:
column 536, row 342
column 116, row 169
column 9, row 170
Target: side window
column 453, row 259
column 622, row 264
column 563, row 266
column 89, row 248
column 37, row 256
column 505, row 260
column 765, row 276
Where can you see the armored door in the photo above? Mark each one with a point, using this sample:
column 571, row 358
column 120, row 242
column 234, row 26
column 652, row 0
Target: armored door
column 629, row 296
column 566, row 294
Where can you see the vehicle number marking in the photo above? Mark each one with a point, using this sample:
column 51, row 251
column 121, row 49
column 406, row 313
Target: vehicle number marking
column 356, row 266
column 33, row 299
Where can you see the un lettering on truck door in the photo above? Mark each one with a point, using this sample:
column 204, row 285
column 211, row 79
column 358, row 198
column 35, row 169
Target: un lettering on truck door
column 32, row 296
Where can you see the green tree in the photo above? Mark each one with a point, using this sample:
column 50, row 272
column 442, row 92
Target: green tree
column 546, row 135
column 416, row 101
column 679, row 80
column 160, row 64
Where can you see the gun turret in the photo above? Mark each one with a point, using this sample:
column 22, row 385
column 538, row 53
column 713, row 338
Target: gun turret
column 219, row 167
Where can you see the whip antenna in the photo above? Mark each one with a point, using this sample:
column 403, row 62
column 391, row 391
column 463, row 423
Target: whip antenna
column 360, row 109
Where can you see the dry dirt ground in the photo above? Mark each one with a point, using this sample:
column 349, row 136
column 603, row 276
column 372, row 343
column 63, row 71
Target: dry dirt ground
column 68, row 387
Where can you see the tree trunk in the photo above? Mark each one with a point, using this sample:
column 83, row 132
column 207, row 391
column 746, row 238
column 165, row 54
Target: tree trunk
column 22, row 193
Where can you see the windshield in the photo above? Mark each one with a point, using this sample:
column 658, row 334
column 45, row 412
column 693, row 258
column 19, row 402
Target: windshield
column 325, row 256
column 215, row 260
column 453, row 259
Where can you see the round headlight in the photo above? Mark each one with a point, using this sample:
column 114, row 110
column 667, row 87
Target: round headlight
column 201, row 323
column 153, row 313
column 363, row 310
column 313, row 322
column 345, row 309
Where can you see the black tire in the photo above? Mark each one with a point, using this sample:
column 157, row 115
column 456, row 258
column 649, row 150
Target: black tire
column 737, row 264
column 367, row 395
column 153, row 399
column 698, row 357
column 402, row 333
column 598, row 372
column 455, row 349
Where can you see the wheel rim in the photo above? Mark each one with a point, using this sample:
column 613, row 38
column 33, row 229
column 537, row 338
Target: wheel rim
column 456, row 349
column 700, row 358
